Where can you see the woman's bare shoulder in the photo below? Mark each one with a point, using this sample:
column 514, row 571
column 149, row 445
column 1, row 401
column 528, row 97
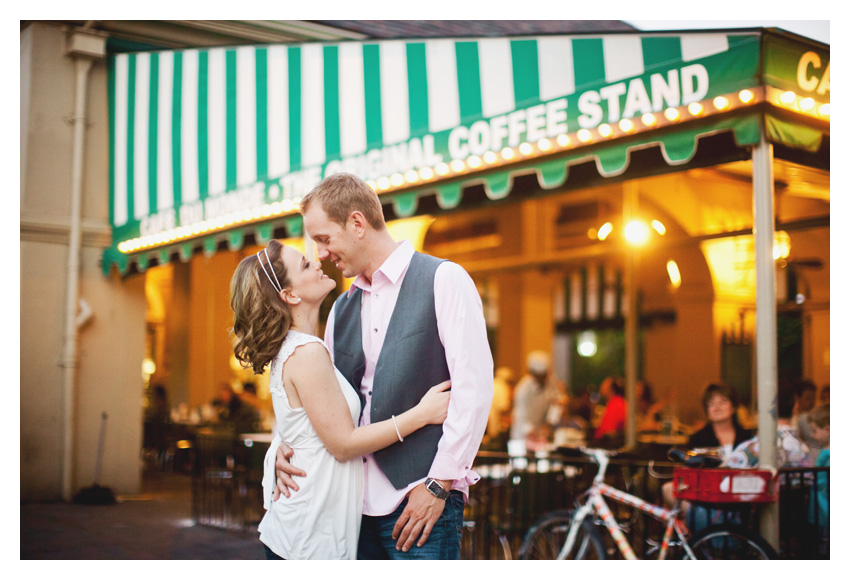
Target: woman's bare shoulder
column 311, row 355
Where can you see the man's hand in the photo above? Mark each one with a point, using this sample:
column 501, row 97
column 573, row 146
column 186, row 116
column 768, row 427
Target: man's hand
column 422, row 511
column 284, row 471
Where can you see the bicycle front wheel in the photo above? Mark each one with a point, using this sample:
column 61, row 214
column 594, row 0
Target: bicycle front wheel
column 547, row 536
column 726, row 542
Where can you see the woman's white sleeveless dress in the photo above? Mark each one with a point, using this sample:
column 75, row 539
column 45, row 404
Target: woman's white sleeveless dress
column 320, row 521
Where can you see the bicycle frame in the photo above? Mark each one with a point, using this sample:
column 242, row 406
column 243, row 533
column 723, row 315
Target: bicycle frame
column 595, row 503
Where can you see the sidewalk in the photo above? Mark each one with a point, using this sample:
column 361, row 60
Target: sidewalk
column 155, row 525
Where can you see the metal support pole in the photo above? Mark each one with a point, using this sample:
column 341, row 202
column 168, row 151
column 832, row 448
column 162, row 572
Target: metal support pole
column 630, row 204
column 766, row 351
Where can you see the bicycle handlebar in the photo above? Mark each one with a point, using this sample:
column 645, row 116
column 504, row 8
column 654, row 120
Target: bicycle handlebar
column 688, row 458
column 693, row 459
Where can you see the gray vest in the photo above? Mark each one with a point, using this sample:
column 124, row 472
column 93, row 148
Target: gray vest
column 412, row 360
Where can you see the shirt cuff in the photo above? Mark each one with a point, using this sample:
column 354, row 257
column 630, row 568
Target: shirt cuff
column 447, row 467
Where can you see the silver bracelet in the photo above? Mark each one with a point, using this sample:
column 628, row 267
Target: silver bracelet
column 397, row 432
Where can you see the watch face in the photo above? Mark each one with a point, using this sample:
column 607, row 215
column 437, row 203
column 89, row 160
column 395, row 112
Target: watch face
column 436, row 489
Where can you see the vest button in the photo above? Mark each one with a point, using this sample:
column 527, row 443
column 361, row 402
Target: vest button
column 375, row 330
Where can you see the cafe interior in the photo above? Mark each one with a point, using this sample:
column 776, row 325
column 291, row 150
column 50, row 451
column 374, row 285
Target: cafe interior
column 648, row 273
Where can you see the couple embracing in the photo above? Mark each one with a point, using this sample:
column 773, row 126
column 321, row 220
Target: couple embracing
column 377, row 425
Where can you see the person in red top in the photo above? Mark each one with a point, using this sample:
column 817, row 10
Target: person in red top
column 613, row 423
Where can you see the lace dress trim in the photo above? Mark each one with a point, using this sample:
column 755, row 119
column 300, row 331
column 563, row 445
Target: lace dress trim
column 293, row 340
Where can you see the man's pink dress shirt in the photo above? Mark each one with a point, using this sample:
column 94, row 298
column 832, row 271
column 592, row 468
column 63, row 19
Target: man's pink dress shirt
column 462, row 331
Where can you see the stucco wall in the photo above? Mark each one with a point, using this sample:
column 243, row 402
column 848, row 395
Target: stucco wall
column 111, row 346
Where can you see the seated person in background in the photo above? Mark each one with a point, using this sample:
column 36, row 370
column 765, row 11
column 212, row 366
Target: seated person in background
column 249, row 395
column 648, row 415
column 805, row 395
column 823, row 396
column 612, row 426
column 235, row 412
column 790, row 450
column 722, row 429
column 244, row 416
column 221, row 403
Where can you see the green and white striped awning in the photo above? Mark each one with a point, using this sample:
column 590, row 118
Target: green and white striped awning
column 209, row 144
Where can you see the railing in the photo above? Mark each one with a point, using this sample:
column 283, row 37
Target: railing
column 804, row 513
column 227, row 481
column 512, row 493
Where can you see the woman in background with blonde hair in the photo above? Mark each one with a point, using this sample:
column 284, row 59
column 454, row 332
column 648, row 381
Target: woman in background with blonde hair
column 275, row 297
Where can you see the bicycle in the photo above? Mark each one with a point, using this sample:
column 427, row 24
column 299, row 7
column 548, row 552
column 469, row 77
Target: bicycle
column 572, row 535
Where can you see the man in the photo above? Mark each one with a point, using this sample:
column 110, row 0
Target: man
column 408, row 322
column 536, row 398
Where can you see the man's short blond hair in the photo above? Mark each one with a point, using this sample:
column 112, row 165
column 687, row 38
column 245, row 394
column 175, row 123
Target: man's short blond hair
column 342, row 193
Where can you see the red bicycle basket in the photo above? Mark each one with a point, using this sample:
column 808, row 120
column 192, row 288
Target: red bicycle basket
column 725, row 485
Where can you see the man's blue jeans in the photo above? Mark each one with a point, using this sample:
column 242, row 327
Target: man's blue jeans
column 376, row 535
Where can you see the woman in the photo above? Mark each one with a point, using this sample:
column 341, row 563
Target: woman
column 720, row 403
column 275, row 297
column 613, row 423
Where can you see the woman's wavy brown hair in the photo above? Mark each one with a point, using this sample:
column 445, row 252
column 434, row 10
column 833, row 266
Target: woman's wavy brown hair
column 261, row 318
